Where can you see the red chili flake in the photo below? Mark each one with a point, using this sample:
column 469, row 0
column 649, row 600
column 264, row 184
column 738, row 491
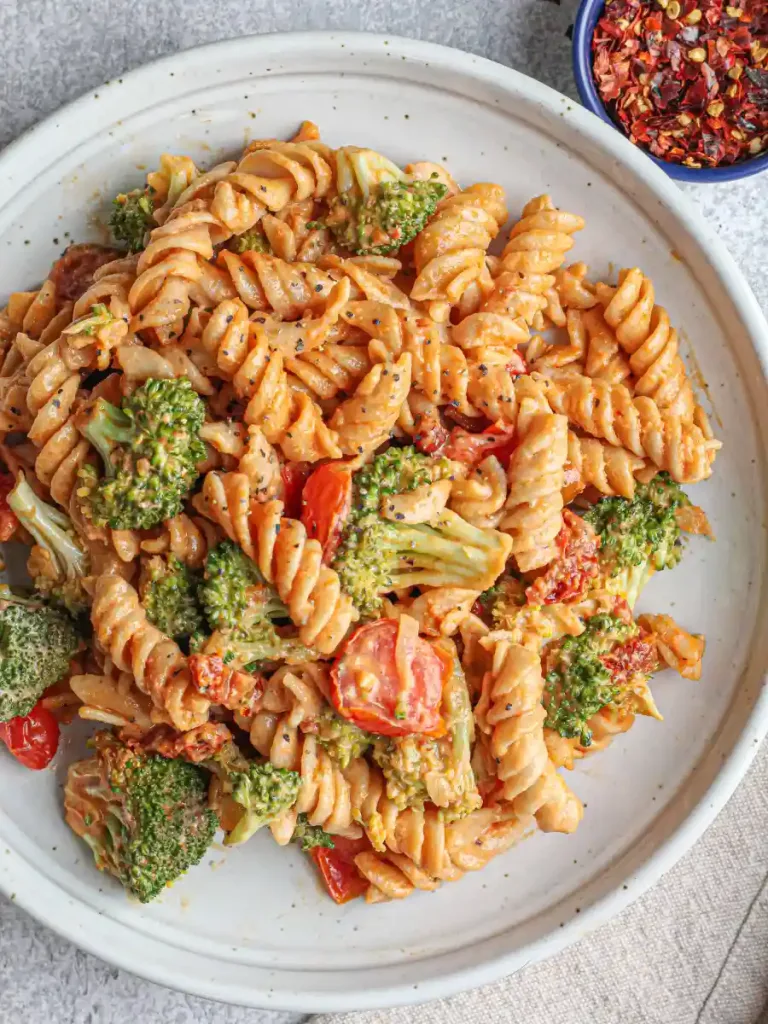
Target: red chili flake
column 686, row 79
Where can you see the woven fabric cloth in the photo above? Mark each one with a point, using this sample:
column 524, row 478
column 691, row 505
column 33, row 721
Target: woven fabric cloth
column 693, row 950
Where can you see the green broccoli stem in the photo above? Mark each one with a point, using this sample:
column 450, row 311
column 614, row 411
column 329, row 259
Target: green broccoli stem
column 429, row 553
column 51, row 529
column 106, row 427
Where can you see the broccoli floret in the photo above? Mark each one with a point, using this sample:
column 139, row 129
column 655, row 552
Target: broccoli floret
column 310, row 836
column 502, row 602
column 377, row 555
column 256, row 642
column 36, row 644
column 578, row 683
column 378, row 208
column 254, row 639
column 132, row 217
column 343, row 740
column 65, row 560
column 229, row 573
column 147, row 820
column 169, row 596
column 640, row 536
column 150, row 448
column 419, row 768
column 251, row 241
column 264, row 792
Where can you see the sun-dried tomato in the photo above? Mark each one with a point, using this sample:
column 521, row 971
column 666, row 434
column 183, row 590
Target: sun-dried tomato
column 638, row 656
column 567, row 577
column 72, row 273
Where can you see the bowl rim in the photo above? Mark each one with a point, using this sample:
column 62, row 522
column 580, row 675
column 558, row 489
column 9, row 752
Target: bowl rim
column 111, row 940
column 581, row 48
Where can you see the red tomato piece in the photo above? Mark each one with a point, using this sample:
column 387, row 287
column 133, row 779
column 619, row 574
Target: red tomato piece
column 72, row 273
column 294, row 476
column 326, row 502
column 367, row 686
column 33, row 739
column 567, row 578
column 337, row 867
column 472, row 448
column 8, row 520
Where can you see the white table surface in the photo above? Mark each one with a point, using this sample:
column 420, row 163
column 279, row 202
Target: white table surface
column 694, row 950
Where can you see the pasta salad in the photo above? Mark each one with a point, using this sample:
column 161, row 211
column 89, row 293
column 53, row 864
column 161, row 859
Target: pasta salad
column 339, row 497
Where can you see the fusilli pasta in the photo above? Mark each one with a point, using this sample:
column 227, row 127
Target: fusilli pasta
column 312, row 444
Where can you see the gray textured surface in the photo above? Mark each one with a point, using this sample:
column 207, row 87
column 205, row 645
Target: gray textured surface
column 693, row 950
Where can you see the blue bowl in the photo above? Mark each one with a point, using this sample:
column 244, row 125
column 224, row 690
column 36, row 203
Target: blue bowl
column 586, row 19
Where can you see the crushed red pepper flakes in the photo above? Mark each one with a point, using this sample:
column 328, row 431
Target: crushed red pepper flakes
column 686, row 79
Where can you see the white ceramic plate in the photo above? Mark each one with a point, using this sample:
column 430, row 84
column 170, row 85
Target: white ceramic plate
column 257, row 930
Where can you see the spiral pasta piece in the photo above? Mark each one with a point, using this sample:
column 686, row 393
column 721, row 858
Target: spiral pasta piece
column 264, row 282
column 535, row 249
column 536, row 475
column 286, row 416
column 188, row 538
column 491, row 383
column 269, row 177
column 573, row 287
column 286, row 557
column 111, row 285
column 166, row 269
column 308, row 333
column 610, row 470
column 292, row 699
column 609, row 411
column 112, row 697
column 54, row 380
column 158, row 666
column 331, row 370
column 32, row 312
column 644, row 332
column 605, row 360
column 421, row 850
column 677, row 648
column 324, row 796
column 480, row 498
column 516, row 722
column 293, row 236
column 449, row 252
column 363, row 421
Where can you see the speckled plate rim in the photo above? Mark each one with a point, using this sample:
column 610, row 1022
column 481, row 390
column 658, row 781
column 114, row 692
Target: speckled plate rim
column 735, row 745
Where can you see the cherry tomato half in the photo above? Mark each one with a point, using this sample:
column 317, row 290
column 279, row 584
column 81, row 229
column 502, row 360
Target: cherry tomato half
column 368, row 689
column 294, row 476
column 337, row 867
column 326, row 501
column 33, row 739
